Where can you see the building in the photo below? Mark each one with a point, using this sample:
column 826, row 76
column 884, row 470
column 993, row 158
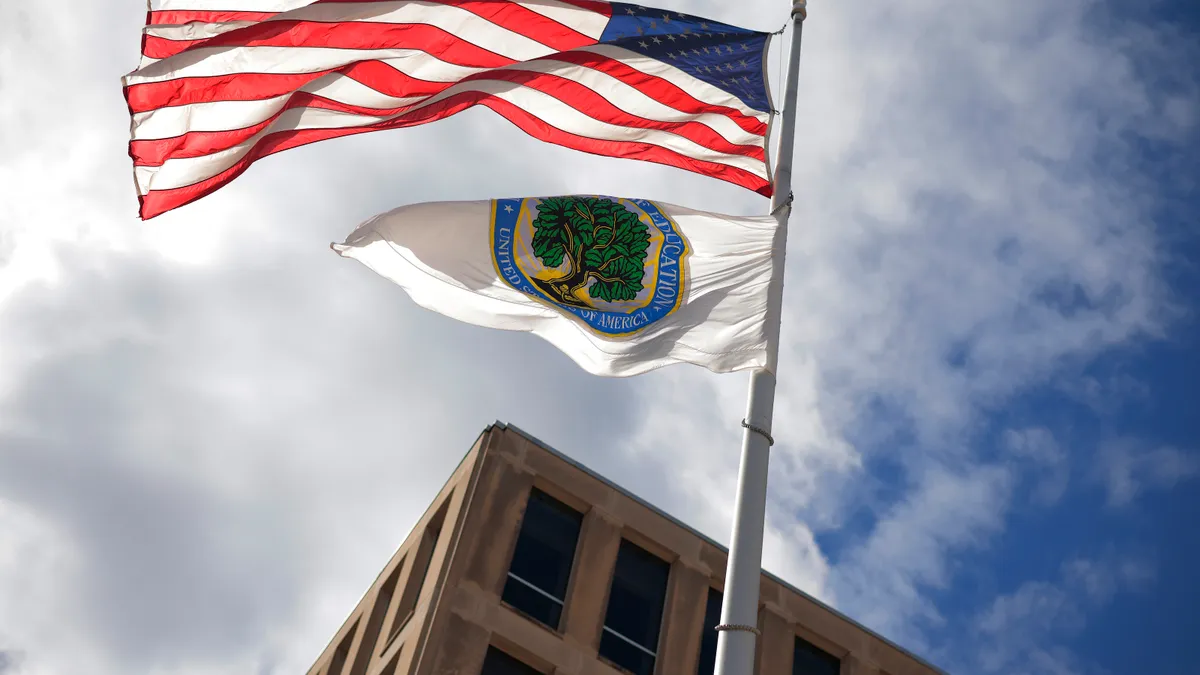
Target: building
column 528, row 563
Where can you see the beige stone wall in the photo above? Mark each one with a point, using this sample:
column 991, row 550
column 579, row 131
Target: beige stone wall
column 460, row 614
column 384, row 632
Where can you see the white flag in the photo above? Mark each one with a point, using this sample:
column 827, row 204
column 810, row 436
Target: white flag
column 622, row 286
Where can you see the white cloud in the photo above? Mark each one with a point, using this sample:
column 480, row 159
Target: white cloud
column 911, row 550
column 1037, row 446
column 1127, row 468
column 1023, row 632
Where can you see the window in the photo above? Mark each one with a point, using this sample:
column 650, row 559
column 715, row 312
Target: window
column 541, row 563
column 375, row 622
column 498, row 663
column 708, row 635
column 343, row 650
column 390, row 669
column 808, row 659
column 416, row 580
column 635, row 606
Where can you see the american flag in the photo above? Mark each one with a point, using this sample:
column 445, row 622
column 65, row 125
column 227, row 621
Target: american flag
column 217, row 90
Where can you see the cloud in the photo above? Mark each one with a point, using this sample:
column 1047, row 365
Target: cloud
column 1127, row 468
column 1038, row 447
column 1025, row 632
column 911, row 549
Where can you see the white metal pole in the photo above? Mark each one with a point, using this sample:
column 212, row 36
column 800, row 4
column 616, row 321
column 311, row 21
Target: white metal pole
column 738, row 631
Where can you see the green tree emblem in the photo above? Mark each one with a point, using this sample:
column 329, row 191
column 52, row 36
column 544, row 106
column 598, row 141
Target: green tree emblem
column 603, row 243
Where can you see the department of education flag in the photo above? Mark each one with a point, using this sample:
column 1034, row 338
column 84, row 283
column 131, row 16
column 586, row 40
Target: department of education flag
column 218, row 89
column 622, row 286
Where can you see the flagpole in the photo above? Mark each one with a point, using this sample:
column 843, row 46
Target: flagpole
column 738, row 631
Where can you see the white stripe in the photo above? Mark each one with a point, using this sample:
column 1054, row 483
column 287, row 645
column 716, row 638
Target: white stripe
column 172, row 121
column 229, row 115
column 586, row 22
column 215, row 61
column 697, row 88
column 180, row 172
column 636, row 102
column 591, row 24
column 195, row 31
column 224, row 5
column 209, row 61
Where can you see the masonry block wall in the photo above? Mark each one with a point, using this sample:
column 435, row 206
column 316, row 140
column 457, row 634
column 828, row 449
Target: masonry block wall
column 527, row 563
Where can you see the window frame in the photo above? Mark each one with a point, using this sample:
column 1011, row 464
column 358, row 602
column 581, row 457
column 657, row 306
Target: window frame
column 635, row 541
column 554, row 502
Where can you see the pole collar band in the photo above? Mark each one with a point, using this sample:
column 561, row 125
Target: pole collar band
column 760, row 431
column 739, row 627
column 800, row 7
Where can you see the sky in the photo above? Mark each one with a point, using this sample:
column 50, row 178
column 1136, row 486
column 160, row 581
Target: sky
column 214, row 431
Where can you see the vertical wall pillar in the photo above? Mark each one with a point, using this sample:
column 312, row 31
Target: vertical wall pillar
column 683, row 619
column 587, row 597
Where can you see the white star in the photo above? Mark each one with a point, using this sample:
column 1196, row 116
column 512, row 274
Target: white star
column 744, row 64
column 508, row 208
column 656, row 40
column 696, row 52
column 703, row 26
column 670, row 55
column 706, row 50
column 745, row 48
column 666, row 18
column 630, row 12
column 643, row 44
column 670, row 37
column 729, row 50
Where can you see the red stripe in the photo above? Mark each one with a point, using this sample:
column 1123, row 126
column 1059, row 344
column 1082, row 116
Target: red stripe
column 175, row 17
column 256, row 86
column 232, row 87
column 181, row 16
column 388, row 80
column 658, row 88
column 366, row 34
column 352, row 35
column 157, row 202
column 200, row 143
column 594, row 105
column 592, row 6
column 517, row 18
column 156, row 47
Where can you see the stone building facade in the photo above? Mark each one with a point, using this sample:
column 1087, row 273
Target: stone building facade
column 528, row 563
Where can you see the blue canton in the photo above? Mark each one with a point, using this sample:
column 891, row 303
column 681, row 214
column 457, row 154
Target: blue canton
column 727, row 57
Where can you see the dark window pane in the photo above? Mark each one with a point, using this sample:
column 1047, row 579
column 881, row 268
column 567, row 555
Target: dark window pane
column 808, row 659
column 343, row 650
column 531, row 602
column 708, row 634
column 625, row 654
column 541, row 564
column 498, row 663
column 420, row 571
column 635, row 604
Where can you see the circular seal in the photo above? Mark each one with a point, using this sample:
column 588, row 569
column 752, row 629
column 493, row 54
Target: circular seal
column 616, row 265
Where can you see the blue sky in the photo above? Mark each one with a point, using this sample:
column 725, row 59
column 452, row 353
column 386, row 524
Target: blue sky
column 989, row 352
column 1146, row 396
